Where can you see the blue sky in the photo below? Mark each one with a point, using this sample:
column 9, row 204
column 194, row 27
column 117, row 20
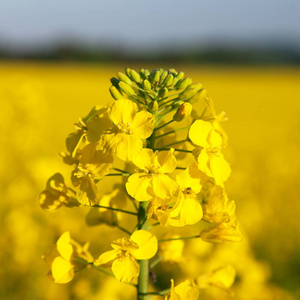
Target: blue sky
column 149, row 23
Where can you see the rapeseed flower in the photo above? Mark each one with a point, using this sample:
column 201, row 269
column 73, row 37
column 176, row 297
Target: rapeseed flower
column 130, row 127
column 186, row 290
column 141, row 245
column 72, row 258
column 56, row 194
column 93, row 166
column 152, row 180
column 209, row 156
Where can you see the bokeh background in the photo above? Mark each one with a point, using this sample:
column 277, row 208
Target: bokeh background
column 57, row 58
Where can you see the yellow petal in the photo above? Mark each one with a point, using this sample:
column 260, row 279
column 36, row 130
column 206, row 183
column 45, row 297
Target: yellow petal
column 190, row 213
column 199, row 133
column 64, row 247
column 147, row 243
column 203, row 163
column 62, row 270
column 123, row 111
column 220, row 168
column 125, row 269
column 144, row 159
column 106, row 257
column 186, row 290
column 215, row 139
column 186, row 180
column 138, row 186
column 163, row 186
column 167, row 161
column 142, row 125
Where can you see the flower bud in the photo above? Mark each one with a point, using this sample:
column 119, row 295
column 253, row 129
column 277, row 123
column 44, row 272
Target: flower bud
column 153, row 106
column 115, row 93
column 156, row 76
column 163, row 93
column 125, row 88
column 190, row 91
column 183, row 111
column 169, row 80
column 135, row 76
column 163, row 76
column 127, row 71
column 146, row 85
column 124, row 78
column 183, row 84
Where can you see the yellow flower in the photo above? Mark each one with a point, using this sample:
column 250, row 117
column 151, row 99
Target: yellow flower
column 93, row 165
column 129, row 128
column 72, row 258
column 216, row 207
column 89, row 128
column 141, row 245
column 187, row 210
column 210, row 158
column 172, row 250
column 152, row 180
column 222, row 278
column 183, row 210
column 186, row 290
column 56, row 194
column 227, row 232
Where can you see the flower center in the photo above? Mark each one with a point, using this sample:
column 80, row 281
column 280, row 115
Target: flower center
column 124, row 128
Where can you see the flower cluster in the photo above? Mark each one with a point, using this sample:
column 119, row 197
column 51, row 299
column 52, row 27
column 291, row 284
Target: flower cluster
column 126, row 139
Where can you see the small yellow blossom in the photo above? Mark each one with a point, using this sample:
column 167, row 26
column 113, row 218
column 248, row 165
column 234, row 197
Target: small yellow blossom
column 186, row 290
column 93, row 165
column 89, row 128
column 130, row 127
column 222, row 278
column 56, row 194
column 210, row 159
column 141, row 245
column 224, row 232
column 152, row 180
column 72, row 258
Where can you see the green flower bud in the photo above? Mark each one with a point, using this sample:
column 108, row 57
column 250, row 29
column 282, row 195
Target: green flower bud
column 156, row 76
column 163, row 93
column 124, row 78
column 169, row 80
column 125, row 88
column 114, row 81
column 200, row 94
column 135, row 76
column 183, row 111
column 163, row 75
column 153, row 106
column 127, row 71
column 115, row 93
column 183, row 84
column 190, row 91
column 146, row 85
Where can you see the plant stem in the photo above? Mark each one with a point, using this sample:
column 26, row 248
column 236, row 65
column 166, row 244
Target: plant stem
column 180, row 238
column 116, row 209
column 143, row 279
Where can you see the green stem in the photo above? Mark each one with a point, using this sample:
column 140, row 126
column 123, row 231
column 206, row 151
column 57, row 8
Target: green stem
column 118, row 174
column 115, row 209
column 180, row 238
column 179, row 150
column 172, row 131
column 175, row 143
column 162, row 126
column 144, row 264
column 119, row 170
column 123, row 229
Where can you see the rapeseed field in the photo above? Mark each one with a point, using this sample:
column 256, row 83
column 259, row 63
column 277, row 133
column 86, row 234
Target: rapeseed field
column 40, row 102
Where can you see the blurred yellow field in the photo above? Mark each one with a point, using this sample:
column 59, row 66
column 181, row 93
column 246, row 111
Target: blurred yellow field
column 40, row 104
